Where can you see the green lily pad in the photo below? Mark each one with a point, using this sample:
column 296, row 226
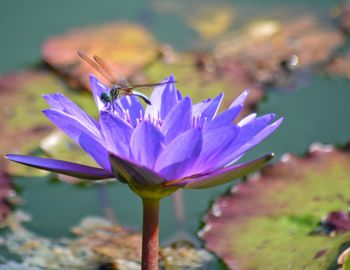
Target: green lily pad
column 23, row 124
column 267, row 222
column 126, row 46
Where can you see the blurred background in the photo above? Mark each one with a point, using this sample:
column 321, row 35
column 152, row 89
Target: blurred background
column 294, row 57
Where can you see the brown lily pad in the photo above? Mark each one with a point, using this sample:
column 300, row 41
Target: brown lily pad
column 267, row 52
column 339, row 65
column 268, row 221
column 127, row 47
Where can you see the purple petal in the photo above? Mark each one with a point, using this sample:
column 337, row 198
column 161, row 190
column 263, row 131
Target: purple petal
column 222, row 176
column 146, row 143
column 70, row 125
column 207, row 109
column 239, row 101
column 133, row 108
column 117, row 134
column 96, row 150
column 63, row 167
column 214, row 142
column 62, row 103
column 256, row 140
column 179, row 96
column 163, row 99
column 180, row 154
column 97, row 89
column 129, row 172
column 178, row 120
column 225, row 118
column 247, row 119
column 250, row 135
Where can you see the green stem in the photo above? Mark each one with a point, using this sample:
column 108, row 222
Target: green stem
column 150, row 234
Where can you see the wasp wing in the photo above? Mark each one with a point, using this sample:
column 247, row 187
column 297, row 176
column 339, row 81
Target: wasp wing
column 118, row 78
column 97, row 67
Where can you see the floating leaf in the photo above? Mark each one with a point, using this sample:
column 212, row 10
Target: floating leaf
column 266, row 52
column 267, row 222
column 339, row 65
column 127, row 47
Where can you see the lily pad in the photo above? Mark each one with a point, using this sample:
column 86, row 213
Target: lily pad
column 268, row 52
column 339, row 65
column 267, row 222
column 23, row 124
column 127, row 47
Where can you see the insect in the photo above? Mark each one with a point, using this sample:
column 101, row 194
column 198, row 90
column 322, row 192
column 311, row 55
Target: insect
column 119, row 87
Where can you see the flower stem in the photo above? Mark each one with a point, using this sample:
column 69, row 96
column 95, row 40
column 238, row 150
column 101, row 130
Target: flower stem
column 150, row 234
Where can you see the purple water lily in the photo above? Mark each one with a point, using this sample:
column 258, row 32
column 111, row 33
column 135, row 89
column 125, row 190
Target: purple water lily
column 172, row 143
column 169, row 145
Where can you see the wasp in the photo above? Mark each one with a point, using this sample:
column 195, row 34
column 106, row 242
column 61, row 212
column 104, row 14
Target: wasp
column 120, row 87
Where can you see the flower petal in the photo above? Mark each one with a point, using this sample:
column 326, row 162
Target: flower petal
column 214, row 142
column 180, row 154
column 117, row 134
column 62, row 103
column 250, row 135
column 226, row 118
column 97, row 89
column 240, row 99
column 247, row 119
column 96, row 150
column 179, row 95
column 91, row 142
column 63, row 167
column 69, row 124
column 163, row 99
column 133, row 107
column 222, row 176
column 254, row 141
column 207, row 109
column 146, row 143
column 130, row 172
column 178, row 120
